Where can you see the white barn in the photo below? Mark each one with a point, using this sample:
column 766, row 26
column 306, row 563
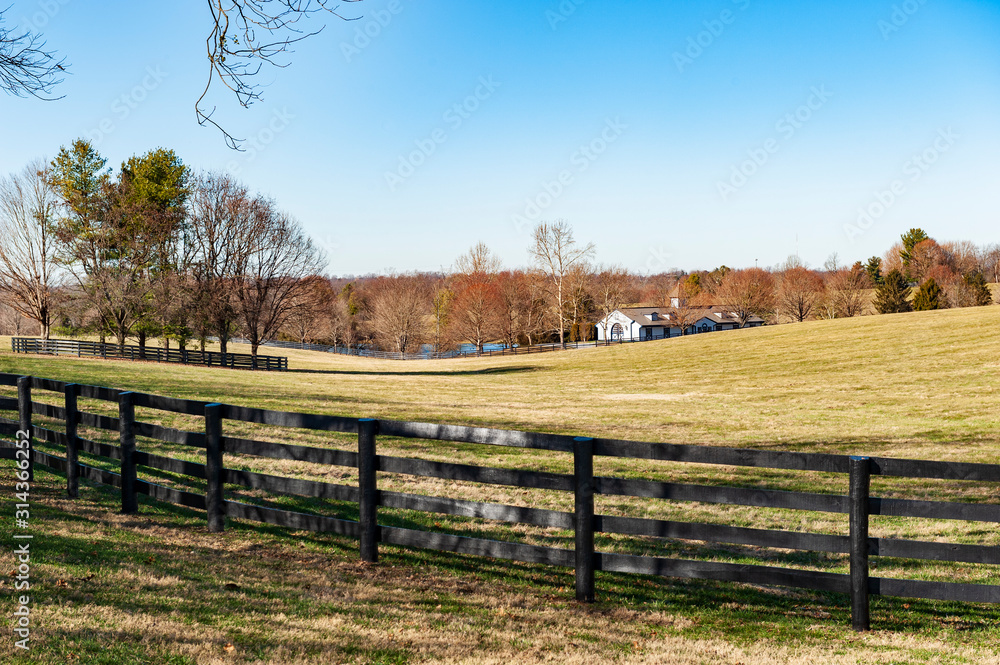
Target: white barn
column 636, row 324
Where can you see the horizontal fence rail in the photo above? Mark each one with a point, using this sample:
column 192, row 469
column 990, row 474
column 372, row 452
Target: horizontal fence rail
column 84, row 349
column 365, row 352
column 215, row 445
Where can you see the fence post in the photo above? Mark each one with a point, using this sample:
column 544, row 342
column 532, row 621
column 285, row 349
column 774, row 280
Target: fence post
column 860, row 480
column 71, row 392
column 24, row 420
column 214, row 502
column 368, row 496
column 126, row 437
column 583, row 474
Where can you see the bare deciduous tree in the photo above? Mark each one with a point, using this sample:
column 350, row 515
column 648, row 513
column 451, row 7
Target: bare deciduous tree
column 221, row 211
column 685, row 307
column 441, row 311
column 580, row 307
column 613, row 286
column 925, row 257
column 892, row 259
column 28, row 204
column 310, row 319
column 990, row 261
column 397, row 308
column 799, row 292
column 848, row 292
column 474, row 310
column 657, row 289
column 274, row 261
column 12, row 322
column 536, row 310
column 555, row 251
column 748, row 293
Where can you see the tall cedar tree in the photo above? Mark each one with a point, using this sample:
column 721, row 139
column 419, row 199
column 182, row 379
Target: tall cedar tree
column 929, row 296
column 890, row 296
column 111, row 236
column 874, row 270
column 911, row 239
column 159, row 179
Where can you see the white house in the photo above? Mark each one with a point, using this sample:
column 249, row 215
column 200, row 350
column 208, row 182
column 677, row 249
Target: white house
column 632, row 324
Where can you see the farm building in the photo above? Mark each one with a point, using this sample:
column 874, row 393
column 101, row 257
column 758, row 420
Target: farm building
column 631, row 324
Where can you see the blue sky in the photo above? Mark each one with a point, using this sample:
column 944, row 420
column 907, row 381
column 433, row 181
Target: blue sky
column 669, row 134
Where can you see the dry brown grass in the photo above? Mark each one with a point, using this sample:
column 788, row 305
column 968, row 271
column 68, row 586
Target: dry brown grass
column 161, row 585
column 917, row 386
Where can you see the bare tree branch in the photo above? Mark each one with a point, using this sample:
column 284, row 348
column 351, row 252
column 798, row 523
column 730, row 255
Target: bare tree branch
column 27, row 68
column 245, row 36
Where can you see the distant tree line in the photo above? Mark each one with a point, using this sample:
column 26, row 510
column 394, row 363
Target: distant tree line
column 156, row 251
column 152, row 250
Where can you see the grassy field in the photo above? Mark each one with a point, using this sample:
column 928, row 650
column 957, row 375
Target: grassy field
column 159, row 588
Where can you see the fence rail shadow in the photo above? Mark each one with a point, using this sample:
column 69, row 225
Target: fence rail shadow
column 856, row 500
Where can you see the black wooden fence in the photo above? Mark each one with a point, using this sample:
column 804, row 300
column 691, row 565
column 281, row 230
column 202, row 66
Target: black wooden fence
column 857, row 501
column 83, row 349
column 457, row 353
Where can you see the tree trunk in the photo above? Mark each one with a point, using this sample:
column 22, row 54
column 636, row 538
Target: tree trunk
column 142, row 345
column 562, row 341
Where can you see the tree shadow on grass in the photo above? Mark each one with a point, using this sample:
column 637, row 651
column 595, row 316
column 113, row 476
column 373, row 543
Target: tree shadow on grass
column 517, row 369
column 745, row 612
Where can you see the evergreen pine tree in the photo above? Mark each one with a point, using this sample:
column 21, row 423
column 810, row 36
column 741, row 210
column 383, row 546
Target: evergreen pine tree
column 874, row 270
column 890, row 296
column 929, row 296
column 911, row 239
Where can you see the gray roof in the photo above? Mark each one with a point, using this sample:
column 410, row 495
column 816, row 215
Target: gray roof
column 641, row 315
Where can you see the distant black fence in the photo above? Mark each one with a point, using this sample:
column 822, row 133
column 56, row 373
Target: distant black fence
column 82, row 349
column 455, row 353
column 426, row 355
column 857, row 502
